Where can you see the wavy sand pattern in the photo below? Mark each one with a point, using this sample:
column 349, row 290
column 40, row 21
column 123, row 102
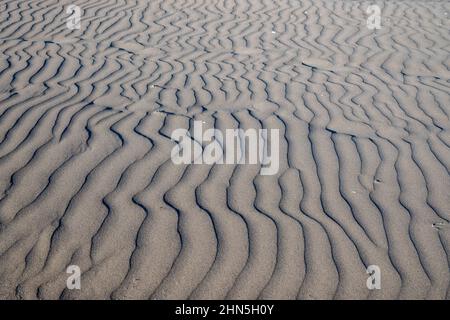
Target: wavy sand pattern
column 86, row 176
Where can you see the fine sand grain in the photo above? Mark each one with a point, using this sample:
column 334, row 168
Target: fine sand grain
column 86, row 177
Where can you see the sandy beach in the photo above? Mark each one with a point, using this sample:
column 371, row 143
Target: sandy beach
column 88, row 111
